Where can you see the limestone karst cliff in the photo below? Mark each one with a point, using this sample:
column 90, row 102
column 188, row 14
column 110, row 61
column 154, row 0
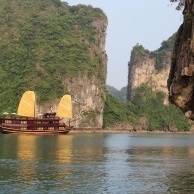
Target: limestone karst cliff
column 181, row 77
column 53, row 48
column 150, row 67
column 89, row 91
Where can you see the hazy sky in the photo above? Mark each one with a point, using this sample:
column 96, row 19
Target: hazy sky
column 147, row 22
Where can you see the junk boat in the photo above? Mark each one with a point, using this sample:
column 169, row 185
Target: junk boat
column 27, row 122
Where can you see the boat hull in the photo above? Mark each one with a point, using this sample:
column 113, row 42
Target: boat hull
column 26, row 125
column 6, row 130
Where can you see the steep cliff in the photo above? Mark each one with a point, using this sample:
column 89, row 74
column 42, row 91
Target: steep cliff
column 181, row 77
column 53, row 49
column 89, row 90
column 150, row 67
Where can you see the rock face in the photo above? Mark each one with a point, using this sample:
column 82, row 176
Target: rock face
column 88, row 101
column 142, row 69
column 181, row 77
column 89, row 92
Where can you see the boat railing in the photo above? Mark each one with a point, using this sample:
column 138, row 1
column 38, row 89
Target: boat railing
column 31, row 118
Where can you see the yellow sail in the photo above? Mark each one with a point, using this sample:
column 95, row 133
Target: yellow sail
column 65, row 107
column 27, row 104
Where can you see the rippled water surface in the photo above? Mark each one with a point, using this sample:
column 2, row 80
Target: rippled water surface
column 97, row 163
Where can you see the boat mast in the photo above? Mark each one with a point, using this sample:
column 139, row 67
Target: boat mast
column 35, row 105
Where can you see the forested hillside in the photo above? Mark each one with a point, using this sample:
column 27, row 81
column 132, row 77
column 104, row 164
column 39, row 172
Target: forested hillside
column 146, row 104
column 119, row 94
column 42, row 43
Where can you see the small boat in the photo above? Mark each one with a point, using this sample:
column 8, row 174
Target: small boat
column 27, row 122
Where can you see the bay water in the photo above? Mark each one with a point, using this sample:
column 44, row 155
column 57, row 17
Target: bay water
column 97, row 163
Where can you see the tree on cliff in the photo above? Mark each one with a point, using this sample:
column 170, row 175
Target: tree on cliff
column 181, row 3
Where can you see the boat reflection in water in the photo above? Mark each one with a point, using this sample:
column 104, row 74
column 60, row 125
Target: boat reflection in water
column 26, row 156
column 38, row 156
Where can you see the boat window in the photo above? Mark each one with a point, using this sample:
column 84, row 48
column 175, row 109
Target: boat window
column 45, row 122
column 16, row 121
column 61, row 127
column 51, row 128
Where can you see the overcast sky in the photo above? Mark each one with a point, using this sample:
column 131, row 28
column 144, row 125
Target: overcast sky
column 147, row 22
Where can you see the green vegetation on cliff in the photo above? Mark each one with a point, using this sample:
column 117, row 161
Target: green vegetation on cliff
column 116, row 112
column 180, row 3
column 42, row 43
column 139, row 52
column 145, row 103
column 159, row 55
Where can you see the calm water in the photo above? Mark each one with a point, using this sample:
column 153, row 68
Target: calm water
column 97, row 163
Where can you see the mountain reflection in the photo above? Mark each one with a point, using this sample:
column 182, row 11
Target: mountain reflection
column 181, row 178
column 181, row 181
column 172, row 166
column 88, row 148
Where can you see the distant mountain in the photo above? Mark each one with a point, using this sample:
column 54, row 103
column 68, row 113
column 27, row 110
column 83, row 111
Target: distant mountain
column 119, row 94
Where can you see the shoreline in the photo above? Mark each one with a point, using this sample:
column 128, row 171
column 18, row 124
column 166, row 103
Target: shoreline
column 126, row 131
